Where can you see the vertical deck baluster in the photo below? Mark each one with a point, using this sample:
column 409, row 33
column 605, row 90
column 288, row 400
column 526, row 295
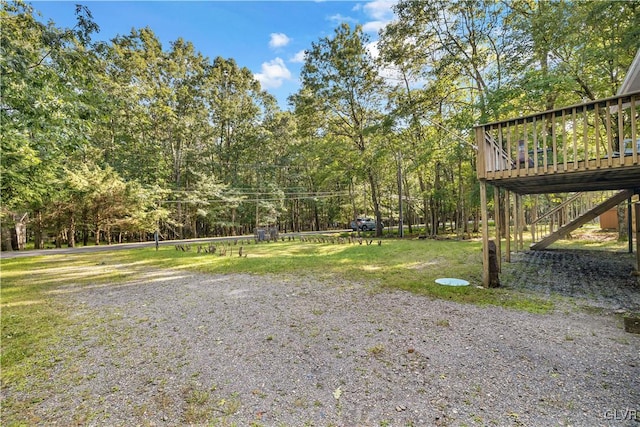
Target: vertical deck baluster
column 504, row 163
column 516, row 169
column 621, row 131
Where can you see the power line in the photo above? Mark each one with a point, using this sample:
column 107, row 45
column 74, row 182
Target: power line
column 240, row 201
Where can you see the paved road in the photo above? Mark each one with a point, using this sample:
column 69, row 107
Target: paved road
column 134, row 245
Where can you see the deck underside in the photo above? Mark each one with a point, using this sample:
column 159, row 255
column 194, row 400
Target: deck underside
column 559, row 181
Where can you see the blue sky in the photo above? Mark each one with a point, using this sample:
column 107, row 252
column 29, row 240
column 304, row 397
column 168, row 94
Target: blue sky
column 268, row 37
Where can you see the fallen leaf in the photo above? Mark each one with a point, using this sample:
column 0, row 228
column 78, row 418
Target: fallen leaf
column 337, row 393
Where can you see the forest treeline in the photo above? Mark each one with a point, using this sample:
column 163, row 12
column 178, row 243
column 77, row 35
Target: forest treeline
column 105, row 141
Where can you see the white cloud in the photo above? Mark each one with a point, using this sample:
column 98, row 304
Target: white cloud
column 340, row 18
column 273, row 74
column 373, row 26
column 377, row 13
column 278, row 40
column 380, row 10
column 299, row 57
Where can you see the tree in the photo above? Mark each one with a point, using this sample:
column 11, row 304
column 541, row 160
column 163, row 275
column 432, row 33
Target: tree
column 43, row 111
column 340, row 81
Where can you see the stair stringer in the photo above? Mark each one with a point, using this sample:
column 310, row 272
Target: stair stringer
column 595, row 212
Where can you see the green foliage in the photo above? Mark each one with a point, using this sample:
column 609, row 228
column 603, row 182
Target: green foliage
column 196, row 147
column 341, row 98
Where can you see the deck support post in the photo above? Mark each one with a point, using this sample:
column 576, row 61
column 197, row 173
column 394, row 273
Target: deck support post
column 485, row 233
column 516, row 221
column 507, row 225
column 637, row 207
column 496, row 215
column 521, row 222
column 630, row 224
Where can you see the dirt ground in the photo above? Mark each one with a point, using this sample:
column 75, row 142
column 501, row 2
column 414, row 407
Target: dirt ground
column 175, row 348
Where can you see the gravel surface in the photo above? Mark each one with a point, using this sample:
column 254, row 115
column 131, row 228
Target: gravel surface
column 589, row 278
column 179, row 348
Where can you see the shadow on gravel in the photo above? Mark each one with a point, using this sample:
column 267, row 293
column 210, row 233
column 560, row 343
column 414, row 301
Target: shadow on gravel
column 598, row 279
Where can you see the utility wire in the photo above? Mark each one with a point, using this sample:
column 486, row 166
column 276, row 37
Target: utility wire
column 218, row 201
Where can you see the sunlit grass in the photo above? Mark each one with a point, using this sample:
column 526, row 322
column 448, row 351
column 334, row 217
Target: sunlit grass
column 32, row 316
column 587, row 237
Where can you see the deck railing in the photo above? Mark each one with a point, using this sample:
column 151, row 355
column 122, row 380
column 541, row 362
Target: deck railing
column 594, row 135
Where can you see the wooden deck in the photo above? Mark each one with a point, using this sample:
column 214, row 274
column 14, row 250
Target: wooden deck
column 585, row 147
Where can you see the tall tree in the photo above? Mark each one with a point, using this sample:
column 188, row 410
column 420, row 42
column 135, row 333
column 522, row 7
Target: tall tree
column 341, row 82
column 43, row 112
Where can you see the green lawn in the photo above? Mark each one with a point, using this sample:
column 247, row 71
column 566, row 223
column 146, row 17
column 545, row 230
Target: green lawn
column 32, row 317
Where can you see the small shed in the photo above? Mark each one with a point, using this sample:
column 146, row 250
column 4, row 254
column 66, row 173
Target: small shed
column 609, row 220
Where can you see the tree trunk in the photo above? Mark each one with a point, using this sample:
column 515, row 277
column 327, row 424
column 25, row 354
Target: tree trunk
column 72, row 231
column 435, row 203
column 85, row 229
column 194, row 225
column 21, row 232
column 409, row 210
column 6, row 238
column 38, row 240
column 316, row 217
column 376, row 204
column 234, row 231
column 179, row 214
column 476, row 220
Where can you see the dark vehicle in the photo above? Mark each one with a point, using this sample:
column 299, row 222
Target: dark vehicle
column 363, row 224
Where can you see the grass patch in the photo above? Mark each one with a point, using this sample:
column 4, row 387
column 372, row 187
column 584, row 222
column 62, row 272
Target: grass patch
column 33, row 319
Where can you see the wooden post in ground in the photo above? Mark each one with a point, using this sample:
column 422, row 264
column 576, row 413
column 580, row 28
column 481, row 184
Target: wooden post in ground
column 496, row 215
column 520, row 222
column 534, row 218
column 485, row 233
column 637, row 206
column 494, row 279
column 507, row 225
column 516, row 220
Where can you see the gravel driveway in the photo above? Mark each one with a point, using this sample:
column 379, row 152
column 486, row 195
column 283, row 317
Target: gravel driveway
column 178, row 348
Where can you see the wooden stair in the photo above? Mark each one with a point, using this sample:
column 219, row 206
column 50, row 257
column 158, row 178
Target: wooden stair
column 586, row 217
